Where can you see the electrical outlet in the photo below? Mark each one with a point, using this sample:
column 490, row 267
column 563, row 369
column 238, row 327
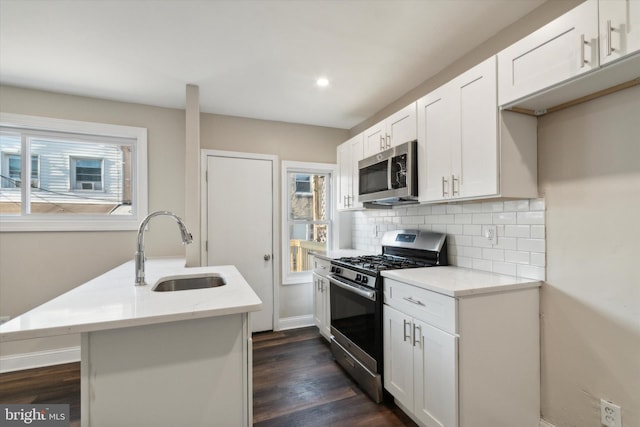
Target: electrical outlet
column 491, row 233
column 610, row 414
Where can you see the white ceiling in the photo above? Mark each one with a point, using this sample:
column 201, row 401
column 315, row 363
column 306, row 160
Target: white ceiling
column 250, row 58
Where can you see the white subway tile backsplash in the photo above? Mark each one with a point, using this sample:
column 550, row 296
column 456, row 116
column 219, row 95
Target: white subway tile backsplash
column 492, row 206
column 505, row 268
column 531, row 217
column 493, row 254
column 517, row 257
column 538, row 259
column 463, row 218
column 482, row 218
column 504, row 218
column 516, row 205
column 537, row 232
column 517, row 231
column 537, row 205
column 531, row 245
column 520, row 224
column 472, row 230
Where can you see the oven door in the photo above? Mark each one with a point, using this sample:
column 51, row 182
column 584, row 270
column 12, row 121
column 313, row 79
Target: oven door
column 356, row 321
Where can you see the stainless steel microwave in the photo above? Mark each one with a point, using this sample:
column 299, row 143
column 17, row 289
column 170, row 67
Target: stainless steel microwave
column 389, row 177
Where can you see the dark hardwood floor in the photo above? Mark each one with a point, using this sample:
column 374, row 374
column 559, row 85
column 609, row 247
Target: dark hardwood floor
column 295, row 383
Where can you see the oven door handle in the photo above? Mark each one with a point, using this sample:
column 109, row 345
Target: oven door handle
column 370, row 295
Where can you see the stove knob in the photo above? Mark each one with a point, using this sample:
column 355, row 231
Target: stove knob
column 358, row 277
column 333, row 269
column 365, row 279
column 338, row 270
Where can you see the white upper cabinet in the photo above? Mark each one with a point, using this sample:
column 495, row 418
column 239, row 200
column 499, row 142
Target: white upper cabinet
column 619, row 29
column 466, row 149
column 565, row 48
column 435, row 137
column 349, row 154
column 396, row 129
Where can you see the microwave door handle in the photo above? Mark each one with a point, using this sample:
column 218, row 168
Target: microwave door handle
column 389, row 173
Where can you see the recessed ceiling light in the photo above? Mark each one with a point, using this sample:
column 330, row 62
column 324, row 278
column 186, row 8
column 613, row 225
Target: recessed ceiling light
column 322, row 82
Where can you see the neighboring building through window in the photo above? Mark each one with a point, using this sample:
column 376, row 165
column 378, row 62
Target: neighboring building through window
column 84, row 176
column 12, row 163
column 308, row 213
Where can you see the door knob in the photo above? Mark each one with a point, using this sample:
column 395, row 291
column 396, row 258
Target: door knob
column 267, row 257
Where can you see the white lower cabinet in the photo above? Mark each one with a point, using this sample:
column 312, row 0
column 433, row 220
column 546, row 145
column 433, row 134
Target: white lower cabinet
column 321, row 314
column 321, row 302
column 470, row 361
column 420, row 368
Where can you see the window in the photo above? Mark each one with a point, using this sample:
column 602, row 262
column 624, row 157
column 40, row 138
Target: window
column 84, row 176
column 307, row 225
column 12, row 163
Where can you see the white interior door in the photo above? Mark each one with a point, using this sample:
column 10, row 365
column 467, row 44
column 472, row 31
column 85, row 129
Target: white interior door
column 240, row 224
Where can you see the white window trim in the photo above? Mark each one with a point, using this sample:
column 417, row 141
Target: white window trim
column 34, row 222
column 311, row 168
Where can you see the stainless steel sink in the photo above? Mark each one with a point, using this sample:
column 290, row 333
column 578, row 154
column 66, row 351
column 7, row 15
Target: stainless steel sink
column 188, row 283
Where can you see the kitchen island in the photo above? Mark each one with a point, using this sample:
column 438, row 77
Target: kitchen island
column 155, row 358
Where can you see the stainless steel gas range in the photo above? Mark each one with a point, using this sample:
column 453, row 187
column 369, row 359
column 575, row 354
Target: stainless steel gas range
column 356, row 301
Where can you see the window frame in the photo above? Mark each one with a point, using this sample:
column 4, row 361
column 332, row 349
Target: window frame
column 303, row 168
column 137, row 138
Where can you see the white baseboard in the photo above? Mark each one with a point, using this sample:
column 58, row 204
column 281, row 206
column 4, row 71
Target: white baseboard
column 544, row 423
column 39, row 359
column 295, row 322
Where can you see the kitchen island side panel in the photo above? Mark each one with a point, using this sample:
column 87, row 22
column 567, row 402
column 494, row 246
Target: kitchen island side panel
column 190, row 372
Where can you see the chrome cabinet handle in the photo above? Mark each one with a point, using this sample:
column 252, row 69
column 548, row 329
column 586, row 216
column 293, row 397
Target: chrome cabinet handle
column 610, row 48
column 417, row 328
column 388, row 139
column 382, row 143
column 453, row 185
column 405, row 330
column 414, row 301
column 444, row 182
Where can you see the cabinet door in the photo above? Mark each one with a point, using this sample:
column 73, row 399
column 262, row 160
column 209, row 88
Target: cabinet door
column 475, row 158
column 357, row 151
column 619, row 32
column 562, row 49
column 318, row 302
column 344, row 184
column 436, row 376
column 375, row 139
column 398, row 356
column 402, row 126
column 435, row 137
column 325, row 318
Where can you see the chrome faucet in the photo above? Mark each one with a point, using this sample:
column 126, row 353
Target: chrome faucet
column 184, row 232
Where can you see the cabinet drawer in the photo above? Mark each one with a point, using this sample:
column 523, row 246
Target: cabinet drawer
column 433, row 308
column 321, row 266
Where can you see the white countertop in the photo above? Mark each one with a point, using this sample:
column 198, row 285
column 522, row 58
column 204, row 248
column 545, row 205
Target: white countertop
column 111, row 301
column 458, row 281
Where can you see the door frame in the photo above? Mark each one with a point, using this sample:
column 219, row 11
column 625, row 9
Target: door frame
column 275, row 218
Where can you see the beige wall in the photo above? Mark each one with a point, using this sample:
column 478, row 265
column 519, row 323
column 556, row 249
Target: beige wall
column 531, row 22
column 37, row 266
column 589, row 172
column 289, row 142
